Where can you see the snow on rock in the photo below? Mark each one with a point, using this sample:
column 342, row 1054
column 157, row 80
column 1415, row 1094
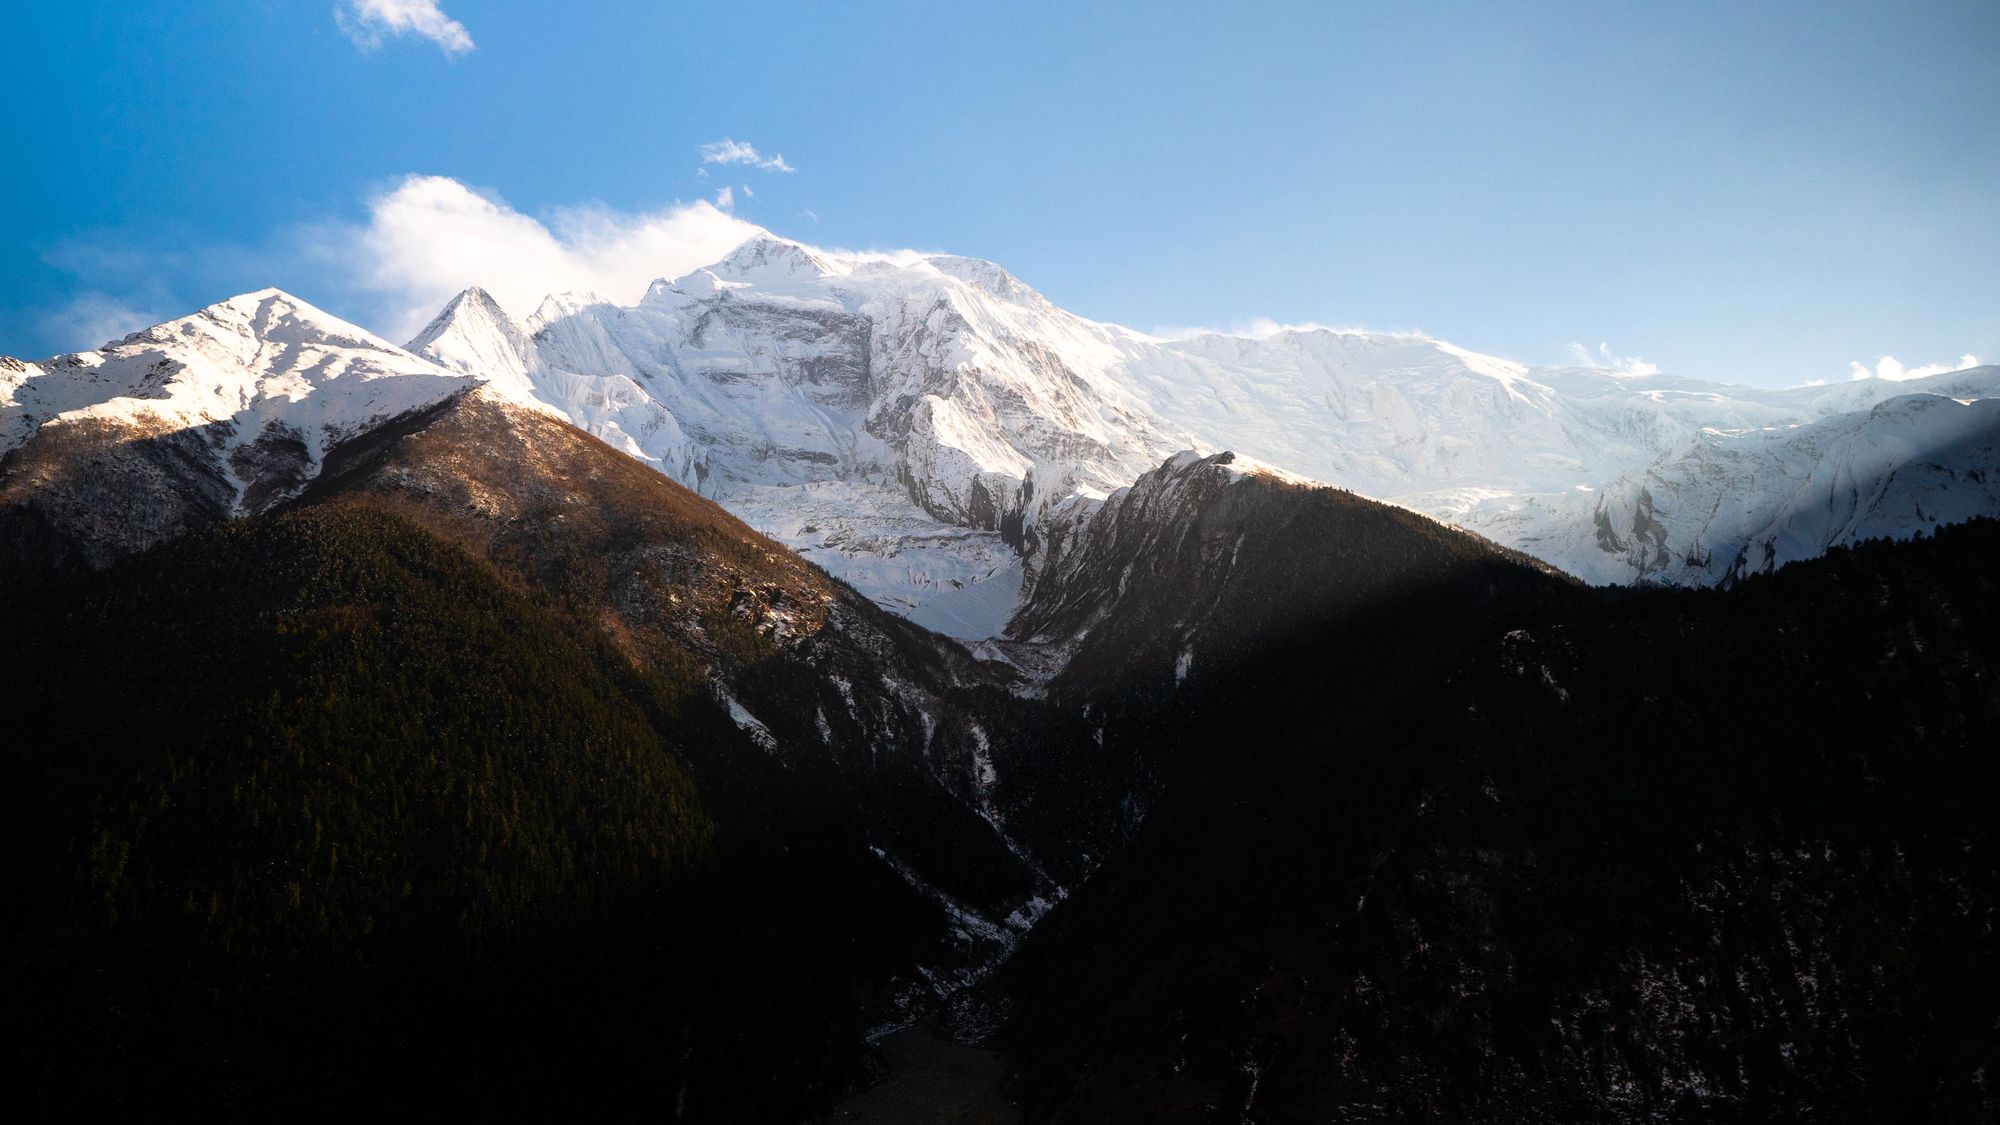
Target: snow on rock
column 901, row 421
column 911, row 422
column 254, row 391
column 915, row 424
column 1729, row 504
column 749, row 723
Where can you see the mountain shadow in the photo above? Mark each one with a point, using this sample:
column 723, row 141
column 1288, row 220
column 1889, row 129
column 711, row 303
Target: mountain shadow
column 1632, row 856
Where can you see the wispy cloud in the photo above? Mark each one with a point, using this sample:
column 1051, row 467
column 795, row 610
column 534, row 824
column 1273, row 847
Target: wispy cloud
column 727, row 151
column 1606, row 360
column 429, row 237
column 369, row 22
column 92, row 319
column 1889, row 367
column 726, row 198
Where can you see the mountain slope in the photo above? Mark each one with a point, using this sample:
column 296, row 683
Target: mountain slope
column 721, row 812
column 1205, row 561
column 223, row 413
column 897, row 420
column 1187, row 616
column 1732, row 504
column 1645, row 856
column 318, row 803
column 854, row 697
column 869, row 741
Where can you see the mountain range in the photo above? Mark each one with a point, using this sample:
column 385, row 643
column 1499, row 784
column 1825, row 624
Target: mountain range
column 822, row 395
column 834, row 646
column 910, row 423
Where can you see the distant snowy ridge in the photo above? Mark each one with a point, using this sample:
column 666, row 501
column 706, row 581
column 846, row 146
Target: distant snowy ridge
column 1731, row 504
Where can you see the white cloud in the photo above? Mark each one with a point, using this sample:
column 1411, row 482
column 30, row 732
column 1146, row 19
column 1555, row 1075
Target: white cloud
column 92, row 319
column 368, row 22
column 429, row 237
column 1604, row 359
column 725, row 199
column 727, row 151
column 1889, row 367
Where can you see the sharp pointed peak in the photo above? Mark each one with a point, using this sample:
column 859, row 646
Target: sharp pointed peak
column 474, row 333
column 471, row 302
column 478, row 297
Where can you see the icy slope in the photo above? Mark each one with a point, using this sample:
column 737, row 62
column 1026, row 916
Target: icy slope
column 1727, row 505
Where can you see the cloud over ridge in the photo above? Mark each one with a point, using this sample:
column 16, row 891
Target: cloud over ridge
column 429, row 237
column 1893, row 369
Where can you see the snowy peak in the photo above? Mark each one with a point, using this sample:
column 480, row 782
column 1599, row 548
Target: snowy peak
column 269, row 318
column 224, row 412
column 990, row 279
column 474, row 335
column 766, row 260
column 255, row 357
column 702, row 284
column 473, row 308
column 874, row 382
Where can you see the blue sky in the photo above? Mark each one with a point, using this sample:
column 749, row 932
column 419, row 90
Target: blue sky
column 1762, row 193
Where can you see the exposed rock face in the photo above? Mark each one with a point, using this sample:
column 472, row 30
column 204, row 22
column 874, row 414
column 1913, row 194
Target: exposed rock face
column 924, row 409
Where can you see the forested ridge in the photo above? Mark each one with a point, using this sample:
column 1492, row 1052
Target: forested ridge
column 1655, row 855
column 319, row 801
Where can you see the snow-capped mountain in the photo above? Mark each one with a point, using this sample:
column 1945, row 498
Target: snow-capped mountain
column 223, row 413
column 262, row 362
column 908, row 421
column 899, row 421
column 1532, row 457
column 1182, row 626
column 1731, row 504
